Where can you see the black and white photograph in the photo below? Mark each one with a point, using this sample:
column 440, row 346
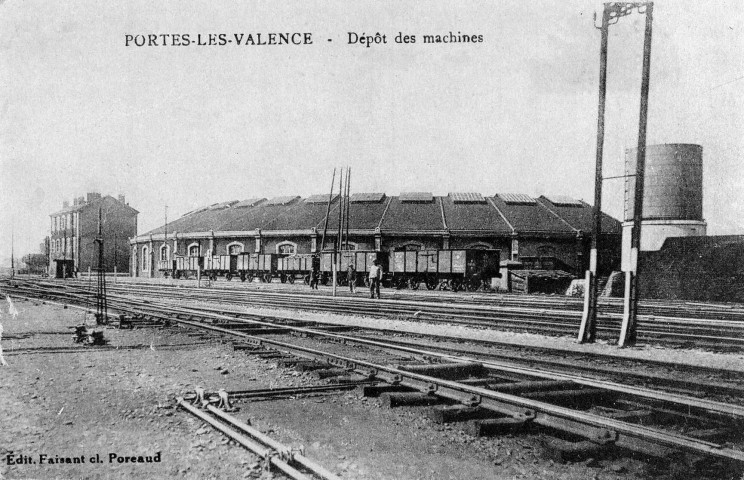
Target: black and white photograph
column 373, row 240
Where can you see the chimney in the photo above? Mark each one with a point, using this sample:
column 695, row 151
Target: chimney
column 66, row 204
column 93, row 196
column 122, row 199
column 81, row 200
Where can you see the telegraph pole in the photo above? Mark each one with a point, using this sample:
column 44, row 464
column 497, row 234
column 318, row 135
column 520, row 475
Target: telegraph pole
column 611, row 14
column 328, row 212
column 101, row 302
column 588, row 328
column 12, row 251
column 630, row 303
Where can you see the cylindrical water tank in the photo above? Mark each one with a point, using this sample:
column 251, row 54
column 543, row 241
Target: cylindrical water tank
column 673, row 185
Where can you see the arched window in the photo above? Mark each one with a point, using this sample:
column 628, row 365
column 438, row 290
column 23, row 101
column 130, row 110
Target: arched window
column 145, row 259
column 164, row 253
column 235, row 248
column 193, row 250
column 350, row 246
column 546, row 251
column 410, row 246
column 286, row 247
column 479, row 246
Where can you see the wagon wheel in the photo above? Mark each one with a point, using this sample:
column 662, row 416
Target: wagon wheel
column 249, row 277
column 413, row 283
column 242, row 276
column 473, row 285
column 445, row 285
column 431, row 282
column 456, row 284
column 228, row 276
column 306, row 279
column 291, row 279
column 283, row 278
column 267, row 278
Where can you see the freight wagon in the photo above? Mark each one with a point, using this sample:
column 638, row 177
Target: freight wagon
column 454, row 270
column 296, row 266
column 362, row 261
column 188, row 266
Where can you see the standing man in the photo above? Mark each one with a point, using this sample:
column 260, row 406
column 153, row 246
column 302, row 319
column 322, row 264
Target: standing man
column 314, row 273
column 351, row 277
column 375, row 278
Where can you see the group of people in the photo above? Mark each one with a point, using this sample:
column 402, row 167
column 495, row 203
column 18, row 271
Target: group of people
column 375, row 278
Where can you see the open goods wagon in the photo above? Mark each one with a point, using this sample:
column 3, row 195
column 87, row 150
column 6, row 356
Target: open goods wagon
column 188, row 266
column 296, row 266
column 361, row 259
column 452, row 269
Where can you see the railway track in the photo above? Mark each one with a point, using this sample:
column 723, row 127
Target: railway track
column 649, row 307
column 669, row 330
column 596, row 415
column 675, row 377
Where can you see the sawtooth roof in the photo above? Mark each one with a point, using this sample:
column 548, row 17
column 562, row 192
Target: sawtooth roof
column 391, row 214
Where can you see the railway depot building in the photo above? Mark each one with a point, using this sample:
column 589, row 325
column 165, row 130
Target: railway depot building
column 74, row 228
column 548, row 233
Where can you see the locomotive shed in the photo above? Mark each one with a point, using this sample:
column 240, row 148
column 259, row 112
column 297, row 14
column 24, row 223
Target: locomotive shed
column 699, row 399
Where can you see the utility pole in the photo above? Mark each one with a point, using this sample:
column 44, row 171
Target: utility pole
column 611, row 14
column 630, row 303
column 337, row 250
column 165, row 235
column 12, row 251
column 348, row 204
column 101, row 303
column 328, row 212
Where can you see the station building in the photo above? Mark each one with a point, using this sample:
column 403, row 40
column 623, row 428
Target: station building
column 74, row 228
column 548, row 232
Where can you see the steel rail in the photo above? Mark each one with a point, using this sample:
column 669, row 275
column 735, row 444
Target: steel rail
column 530, row 410
column 656, row 328
column 258, row 449
column 511, row 405
column 307, row 463
column 493, row 302
column 712, row 406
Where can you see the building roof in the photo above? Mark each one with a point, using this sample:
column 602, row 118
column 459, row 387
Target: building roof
column 526, row 216
column 466, row 197
column 579, row 215
column 473, row 216
column 502, row 214
column 412, row 216
column 93, row 203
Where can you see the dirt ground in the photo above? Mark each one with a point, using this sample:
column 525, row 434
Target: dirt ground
column 119, row 399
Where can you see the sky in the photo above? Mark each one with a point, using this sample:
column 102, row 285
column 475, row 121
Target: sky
column 187, row 126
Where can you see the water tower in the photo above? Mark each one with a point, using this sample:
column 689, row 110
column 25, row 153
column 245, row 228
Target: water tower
column 672, row 196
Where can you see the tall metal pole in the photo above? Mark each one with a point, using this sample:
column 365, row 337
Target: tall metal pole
column 588, row 328
column 337, row 250
column 101, row 302
column 165, row 235
column 630, row 310
column 348, row 203
column 328, row 212
column 12, row 251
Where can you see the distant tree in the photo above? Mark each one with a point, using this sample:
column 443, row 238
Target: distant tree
column 35, row 261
